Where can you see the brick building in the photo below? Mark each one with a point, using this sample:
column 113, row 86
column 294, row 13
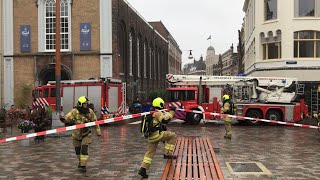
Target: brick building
column 99, row 38
column 1, row 54
column 229, row 63
column 175, row 52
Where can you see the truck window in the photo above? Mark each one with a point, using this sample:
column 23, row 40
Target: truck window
column 46, row 92
column 190, row 95
column 38, row 93
column 53, row 92
column 181, row 95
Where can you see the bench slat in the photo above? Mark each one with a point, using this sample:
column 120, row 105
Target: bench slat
column 215, row 160
column 210, row 161
column 169, row 164
column 200, row 160
column 179, row 160
column 184, row 159
column 189, row 159
column 196, row 160
column 205, row 160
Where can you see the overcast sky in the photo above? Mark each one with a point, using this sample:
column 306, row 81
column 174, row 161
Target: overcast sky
column 191, row 22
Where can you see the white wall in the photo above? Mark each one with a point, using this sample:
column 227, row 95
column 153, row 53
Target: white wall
column 288, row 24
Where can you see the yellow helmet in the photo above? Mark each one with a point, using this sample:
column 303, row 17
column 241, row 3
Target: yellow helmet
column 158, row 103
column 82, row 99
column 226, row 97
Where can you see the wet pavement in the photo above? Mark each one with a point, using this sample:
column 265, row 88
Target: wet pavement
column 287, row 152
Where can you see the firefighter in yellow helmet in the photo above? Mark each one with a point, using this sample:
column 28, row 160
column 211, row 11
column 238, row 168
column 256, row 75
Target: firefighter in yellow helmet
column 159, row 134
column 227, row 108
column 81, row 137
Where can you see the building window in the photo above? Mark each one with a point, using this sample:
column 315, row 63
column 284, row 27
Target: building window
column 130, row 53
column 50, row 25
column 270, row 9
column 307, row 8
column 307, row 44
column 159, row 71
column 272, row 51
column 144, row 60
column 150, row 63
column 138, row 56
column 154, row 64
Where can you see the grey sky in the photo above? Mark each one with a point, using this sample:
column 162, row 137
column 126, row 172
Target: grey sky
column 192, row 21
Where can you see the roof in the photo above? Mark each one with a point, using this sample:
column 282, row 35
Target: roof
column 210, row 48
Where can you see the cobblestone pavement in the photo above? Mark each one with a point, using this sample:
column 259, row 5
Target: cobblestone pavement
column 287, row 152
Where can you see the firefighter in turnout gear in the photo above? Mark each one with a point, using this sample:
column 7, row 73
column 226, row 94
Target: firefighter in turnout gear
column 81, row 137
column 158, row 133
column 227, row 108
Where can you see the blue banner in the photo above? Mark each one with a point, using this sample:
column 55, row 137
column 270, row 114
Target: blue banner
column 85, row 36
column 25, row 36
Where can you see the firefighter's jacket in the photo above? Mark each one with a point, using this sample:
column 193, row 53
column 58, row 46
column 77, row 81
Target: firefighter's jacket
column 74, row 116
column 226, row 108
column 159, row 118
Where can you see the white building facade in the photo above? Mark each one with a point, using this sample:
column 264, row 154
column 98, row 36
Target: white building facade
column 211, row 59
column 282, row 38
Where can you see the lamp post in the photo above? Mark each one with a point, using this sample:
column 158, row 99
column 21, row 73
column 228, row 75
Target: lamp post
column 58, row 64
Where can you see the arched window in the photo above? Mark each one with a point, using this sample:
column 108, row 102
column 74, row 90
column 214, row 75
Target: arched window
column 130, row 53
column 150, row 62
column 271, row 45
column 145, row 59
column 50, row 25
column 138, row 56
column 307, row 44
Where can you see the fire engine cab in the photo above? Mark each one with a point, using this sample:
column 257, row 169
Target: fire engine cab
column 270, row 98
column 107, row 95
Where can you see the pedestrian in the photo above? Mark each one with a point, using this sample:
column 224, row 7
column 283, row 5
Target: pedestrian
column 227, row 108
column 158, row 133
column 81, row 137
column 40, row 118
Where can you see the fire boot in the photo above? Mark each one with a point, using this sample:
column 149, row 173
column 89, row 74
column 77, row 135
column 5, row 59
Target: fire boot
column 83, row 168
column 143, row 172
column 169, row 156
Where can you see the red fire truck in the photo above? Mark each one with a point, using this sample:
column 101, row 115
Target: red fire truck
column 107, row 95
column 258, row 97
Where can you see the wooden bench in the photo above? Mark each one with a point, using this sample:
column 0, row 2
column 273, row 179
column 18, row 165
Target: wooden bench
column 196, row 160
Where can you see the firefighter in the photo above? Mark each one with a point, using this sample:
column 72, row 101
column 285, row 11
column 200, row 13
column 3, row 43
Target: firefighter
column 158, row 133
column 227, row 108
column 81, row 137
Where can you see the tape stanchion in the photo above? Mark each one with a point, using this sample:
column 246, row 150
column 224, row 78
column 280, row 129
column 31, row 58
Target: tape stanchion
column 254, row 119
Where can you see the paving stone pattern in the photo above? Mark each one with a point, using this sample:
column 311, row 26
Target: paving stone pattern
column 288, row 152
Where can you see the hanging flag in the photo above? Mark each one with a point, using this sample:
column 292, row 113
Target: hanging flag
column 209, row 37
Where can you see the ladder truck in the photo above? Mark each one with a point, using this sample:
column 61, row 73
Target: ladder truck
column 272, row 98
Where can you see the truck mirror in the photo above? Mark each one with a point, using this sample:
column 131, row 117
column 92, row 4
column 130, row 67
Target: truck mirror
column 33, row 93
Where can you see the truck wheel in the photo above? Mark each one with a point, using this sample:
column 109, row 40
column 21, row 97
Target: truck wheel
column 254, row 114
column 193, row 118
column 274, row 115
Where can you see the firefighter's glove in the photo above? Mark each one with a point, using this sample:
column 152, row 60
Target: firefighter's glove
column 173, row 108
column 62, row 119
column 98, row 132
column 164, row 127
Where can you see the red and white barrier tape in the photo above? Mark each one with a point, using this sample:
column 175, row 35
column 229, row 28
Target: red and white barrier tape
column 78, row 126
column 116, row 119
column 254, row 119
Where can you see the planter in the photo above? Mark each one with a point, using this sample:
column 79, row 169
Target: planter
column 25, row 142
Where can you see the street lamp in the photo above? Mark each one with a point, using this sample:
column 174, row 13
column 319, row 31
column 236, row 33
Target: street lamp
column 190, row 55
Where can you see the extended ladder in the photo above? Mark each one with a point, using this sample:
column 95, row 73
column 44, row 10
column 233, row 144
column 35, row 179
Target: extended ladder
column 314, row 101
